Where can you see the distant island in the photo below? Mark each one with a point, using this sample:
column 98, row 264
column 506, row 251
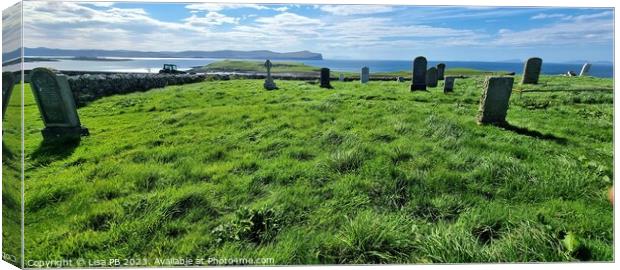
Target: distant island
column 228, row 54
column 28, row 59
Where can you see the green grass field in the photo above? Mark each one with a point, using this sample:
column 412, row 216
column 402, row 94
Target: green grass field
column 300, row 68
column 357, row 174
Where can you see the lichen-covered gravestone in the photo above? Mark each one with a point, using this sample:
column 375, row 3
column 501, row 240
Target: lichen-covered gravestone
column 494, row 100
column 531, row 71
column 8, row 81
column 431, row 77
column 441, row 68
column 365, row 74
column 269, row 83
column 56, row 105
column 448, row 84
column 418, row 76
column 324, row 80
column 585, row 70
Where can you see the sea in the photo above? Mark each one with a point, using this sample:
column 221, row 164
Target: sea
column 152, row 65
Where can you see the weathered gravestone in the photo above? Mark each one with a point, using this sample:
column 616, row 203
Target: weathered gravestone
column 365, row 75
column 448, row 84
column 431, row 77
column 531, row 71
column 56, row 105
column 418, row 76
column 585, row 70
column 441, row 68
column 341, row 77
column 269, row 83
column 8, row 81
column 494, row 100
column 324, row 80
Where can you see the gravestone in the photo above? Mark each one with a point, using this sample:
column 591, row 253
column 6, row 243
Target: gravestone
column 269, row 83
column 431, row 77
column 418, row 76
column 585, row 70
column 531, row 71
column 8, row 81
column 441, row 67
column 400, row 79
column 448, row 84
column 571, row 73
column 494, row 100
column 365, row 74
column 341, row 77
column 56, row 105
column 325, row 78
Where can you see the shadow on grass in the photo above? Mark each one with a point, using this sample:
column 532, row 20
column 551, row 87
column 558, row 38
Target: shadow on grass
column 532, row 133
column 6, row 152
column 50, row 150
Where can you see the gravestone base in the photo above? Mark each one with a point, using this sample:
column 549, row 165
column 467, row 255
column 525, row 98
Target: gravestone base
column 326, row 85
column 417, row 87
column 270, row 85
column 64, row 133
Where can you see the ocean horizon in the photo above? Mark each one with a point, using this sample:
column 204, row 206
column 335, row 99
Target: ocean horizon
column 152, row 65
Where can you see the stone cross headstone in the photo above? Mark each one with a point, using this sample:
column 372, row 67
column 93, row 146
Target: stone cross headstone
column 341, row 77
column 441, row 68
column 531, row 71
column 365, row 75
column 448, row 84
column 269, row 83
column 585, row 70
column 324, row 80
column 8, row 81
column 431, row 77
column 56, row 105
column 494, row 100
column 418, row 76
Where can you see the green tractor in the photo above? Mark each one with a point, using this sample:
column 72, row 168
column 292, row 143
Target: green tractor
column 170, row 69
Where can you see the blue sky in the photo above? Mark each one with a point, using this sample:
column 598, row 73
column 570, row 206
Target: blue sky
column 336, row 31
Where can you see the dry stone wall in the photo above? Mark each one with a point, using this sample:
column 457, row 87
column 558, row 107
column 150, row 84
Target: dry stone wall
column 87, row 88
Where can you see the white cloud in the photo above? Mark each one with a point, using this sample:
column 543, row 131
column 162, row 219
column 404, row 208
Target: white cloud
column 575, row 31
column 347, row 10
column 281, row 9
column 11, row 29
column 593, row 16
column 541, row 16
column 220, row 7
column 565, row 17
column 71, row 25
column 99, row 4
column 211, row 18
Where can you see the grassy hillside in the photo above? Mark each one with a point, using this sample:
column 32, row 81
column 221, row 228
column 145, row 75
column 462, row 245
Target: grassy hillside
column 295, row 67
column 256, row 66
column 358, row 174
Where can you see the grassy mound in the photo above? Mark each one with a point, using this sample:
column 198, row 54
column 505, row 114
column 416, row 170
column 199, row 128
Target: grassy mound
column 358, row 174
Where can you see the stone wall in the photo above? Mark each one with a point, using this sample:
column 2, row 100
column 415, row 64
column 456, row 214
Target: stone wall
column 87, row 88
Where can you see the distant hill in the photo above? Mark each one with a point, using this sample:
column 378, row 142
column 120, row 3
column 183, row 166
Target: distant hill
column 229, row 54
